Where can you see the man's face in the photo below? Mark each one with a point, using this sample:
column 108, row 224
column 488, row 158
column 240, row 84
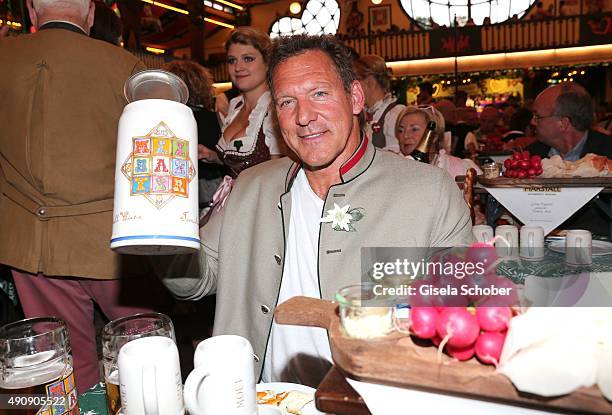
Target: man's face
column 547, row 126
column 316, row 115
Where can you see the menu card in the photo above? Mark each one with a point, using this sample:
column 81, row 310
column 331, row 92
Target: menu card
column 545, row 206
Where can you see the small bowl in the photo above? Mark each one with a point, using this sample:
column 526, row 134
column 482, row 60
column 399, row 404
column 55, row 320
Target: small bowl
column 363, row 314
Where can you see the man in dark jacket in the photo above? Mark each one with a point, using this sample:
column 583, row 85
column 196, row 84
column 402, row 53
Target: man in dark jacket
column 562, row 116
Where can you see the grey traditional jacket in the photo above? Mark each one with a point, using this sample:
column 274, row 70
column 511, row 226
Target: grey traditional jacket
column 405, row 203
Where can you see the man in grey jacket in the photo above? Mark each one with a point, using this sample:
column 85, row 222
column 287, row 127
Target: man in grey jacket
column 291, row 229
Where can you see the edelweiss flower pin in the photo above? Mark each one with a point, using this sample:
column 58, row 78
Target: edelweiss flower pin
column 342, row 218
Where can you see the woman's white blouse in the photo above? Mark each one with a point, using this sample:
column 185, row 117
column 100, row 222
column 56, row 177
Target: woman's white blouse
column 259, row 115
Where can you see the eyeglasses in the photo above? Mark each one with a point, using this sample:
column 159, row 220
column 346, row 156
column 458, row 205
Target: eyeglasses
column 537, row 117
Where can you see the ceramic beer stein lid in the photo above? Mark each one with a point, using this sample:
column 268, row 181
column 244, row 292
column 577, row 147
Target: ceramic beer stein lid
column 156, row 84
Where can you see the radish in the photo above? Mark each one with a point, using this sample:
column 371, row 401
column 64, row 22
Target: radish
column 423, row 322
column 493, row 318
column 458, row 327
column 460, row 353
column 436, row 340
column 489, row 347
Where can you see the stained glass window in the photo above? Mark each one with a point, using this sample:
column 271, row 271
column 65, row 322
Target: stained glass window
column 443, row 12
column 319, row 17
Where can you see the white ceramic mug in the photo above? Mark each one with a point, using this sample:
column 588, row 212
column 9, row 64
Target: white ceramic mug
column 507, row 240
column 578, row 247
column 150, row 377
column 482, row 233
column 532, row 243
column 156, row 173
column 223, row 380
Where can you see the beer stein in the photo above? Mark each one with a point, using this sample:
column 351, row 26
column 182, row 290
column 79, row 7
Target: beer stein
column 36, row 372
column 119, row 332
column 150, row 377
column 222, row 381
column 156, row 177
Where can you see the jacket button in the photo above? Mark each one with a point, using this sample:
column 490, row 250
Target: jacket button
column 256, row 358
column 265, row 309
column 41, row 212
column 278, row 259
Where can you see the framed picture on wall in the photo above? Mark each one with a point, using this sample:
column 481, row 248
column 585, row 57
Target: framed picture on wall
column 380, row 18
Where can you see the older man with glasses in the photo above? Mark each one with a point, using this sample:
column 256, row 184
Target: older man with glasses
column 562, row 117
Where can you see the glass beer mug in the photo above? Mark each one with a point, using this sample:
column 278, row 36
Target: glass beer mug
column 118, row 333
column 156, row 177
column 36, row 375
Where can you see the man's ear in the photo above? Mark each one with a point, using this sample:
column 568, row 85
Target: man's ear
column 90, row 16
column 357, row 97
column 32, row 13
column 565, row 123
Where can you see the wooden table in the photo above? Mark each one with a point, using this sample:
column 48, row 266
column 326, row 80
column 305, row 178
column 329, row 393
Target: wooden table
column 335, row 396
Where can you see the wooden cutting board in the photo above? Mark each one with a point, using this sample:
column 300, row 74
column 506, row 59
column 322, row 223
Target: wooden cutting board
column 396, row 360
column 549, row 182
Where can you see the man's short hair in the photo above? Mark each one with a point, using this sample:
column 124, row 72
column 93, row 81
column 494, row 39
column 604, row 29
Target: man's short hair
column 575, row 103
column 285, row 47
column 81, row 6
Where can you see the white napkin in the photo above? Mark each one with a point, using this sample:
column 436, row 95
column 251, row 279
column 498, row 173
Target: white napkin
column 385, row 400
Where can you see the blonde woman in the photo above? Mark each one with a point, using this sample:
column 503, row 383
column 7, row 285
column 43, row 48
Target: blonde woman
column 410, row 127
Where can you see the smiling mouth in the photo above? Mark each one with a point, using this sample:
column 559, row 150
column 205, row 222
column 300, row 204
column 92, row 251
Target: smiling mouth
column 311, row 136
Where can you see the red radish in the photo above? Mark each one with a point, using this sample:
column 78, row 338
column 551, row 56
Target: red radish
column 423, row 322
column 481, row 252
column 510, row 299
column 493, row 318
column 489, row 347
column 536, row 158
column 436, row 340
column 460, row 353
column 458, row 327
column 526, row 155
column 423, row 300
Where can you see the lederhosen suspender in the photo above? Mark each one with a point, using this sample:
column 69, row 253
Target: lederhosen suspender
column 378, row 133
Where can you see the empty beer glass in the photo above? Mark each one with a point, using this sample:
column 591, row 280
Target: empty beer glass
column 119, row 332
column 36, row 374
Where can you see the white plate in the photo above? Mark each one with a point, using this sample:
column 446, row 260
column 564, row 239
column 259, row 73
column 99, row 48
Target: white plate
column 599, row 247
column 279, row 387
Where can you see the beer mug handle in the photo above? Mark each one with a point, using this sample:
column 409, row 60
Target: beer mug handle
column 192, row 386
column 149, row 390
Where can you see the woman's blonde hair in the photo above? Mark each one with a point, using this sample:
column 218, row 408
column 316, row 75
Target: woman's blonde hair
column 247, row 35
column 430, row 114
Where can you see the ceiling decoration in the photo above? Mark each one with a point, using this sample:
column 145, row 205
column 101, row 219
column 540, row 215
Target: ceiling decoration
column 442, row 12
column 318, row 17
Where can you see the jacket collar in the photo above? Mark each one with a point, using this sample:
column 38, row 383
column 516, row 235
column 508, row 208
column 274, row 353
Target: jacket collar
column 57, row 24
column 359, row 162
